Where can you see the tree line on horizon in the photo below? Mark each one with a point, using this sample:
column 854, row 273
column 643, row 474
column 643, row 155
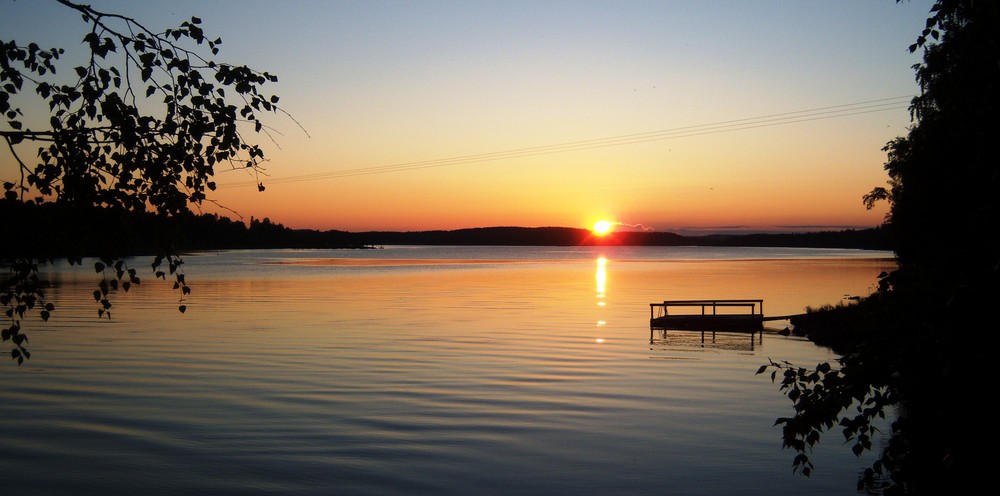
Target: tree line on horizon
column 67, row 233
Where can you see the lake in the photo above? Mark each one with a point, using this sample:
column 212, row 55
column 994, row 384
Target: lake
column 422, row 370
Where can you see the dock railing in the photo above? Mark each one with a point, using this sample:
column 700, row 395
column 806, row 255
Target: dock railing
column 751, row 308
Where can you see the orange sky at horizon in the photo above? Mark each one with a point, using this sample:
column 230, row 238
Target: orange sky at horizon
column 689, row 117
column 748, row 180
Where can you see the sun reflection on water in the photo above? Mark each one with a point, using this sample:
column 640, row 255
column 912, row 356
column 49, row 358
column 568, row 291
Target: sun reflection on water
column 602, row 279
column 602, row 276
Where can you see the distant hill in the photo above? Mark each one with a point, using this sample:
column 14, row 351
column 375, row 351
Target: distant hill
column 53, row 230
column 869, row 239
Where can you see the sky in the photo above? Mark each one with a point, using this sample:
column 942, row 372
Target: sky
column 683, row 116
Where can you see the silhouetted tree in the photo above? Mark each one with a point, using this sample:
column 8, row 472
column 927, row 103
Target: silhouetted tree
column 928, row 345
column 142, row 125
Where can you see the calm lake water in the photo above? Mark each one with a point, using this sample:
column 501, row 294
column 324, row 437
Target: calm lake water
column 422, row 370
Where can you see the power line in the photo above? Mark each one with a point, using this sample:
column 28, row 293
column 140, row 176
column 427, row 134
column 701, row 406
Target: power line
column 779, row 119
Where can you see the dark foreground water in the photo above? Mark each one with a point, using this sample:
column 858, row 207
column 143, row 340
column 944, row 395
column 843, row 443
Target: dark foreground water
column 421, row 370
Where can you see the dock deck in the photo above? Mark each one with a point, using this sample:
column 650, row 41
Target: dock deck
column 708, row 315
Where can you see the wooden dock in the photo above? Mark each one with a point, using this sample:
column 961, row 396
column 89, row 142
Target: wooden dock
column 735, row 316
column 708, row 315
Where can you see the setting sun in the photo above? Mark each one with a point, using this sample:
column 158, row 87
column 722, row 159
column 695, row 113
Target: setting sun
column 602, row 227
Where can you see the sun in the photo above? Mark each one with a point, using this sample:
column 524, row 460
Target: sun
column 602, row 227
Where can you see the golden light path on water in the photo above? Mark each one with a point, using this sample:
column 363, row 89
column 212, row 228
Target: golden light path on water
column 602, row 281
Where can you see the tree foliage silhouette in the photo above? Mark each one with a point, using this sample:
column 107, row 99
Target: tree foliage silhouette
column 142, row 124
column 927, row 346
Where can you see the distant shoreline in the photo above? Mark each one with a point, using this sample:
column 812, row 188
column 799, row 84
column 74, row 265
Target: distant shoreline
column 55, row 230
column 866, row 239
